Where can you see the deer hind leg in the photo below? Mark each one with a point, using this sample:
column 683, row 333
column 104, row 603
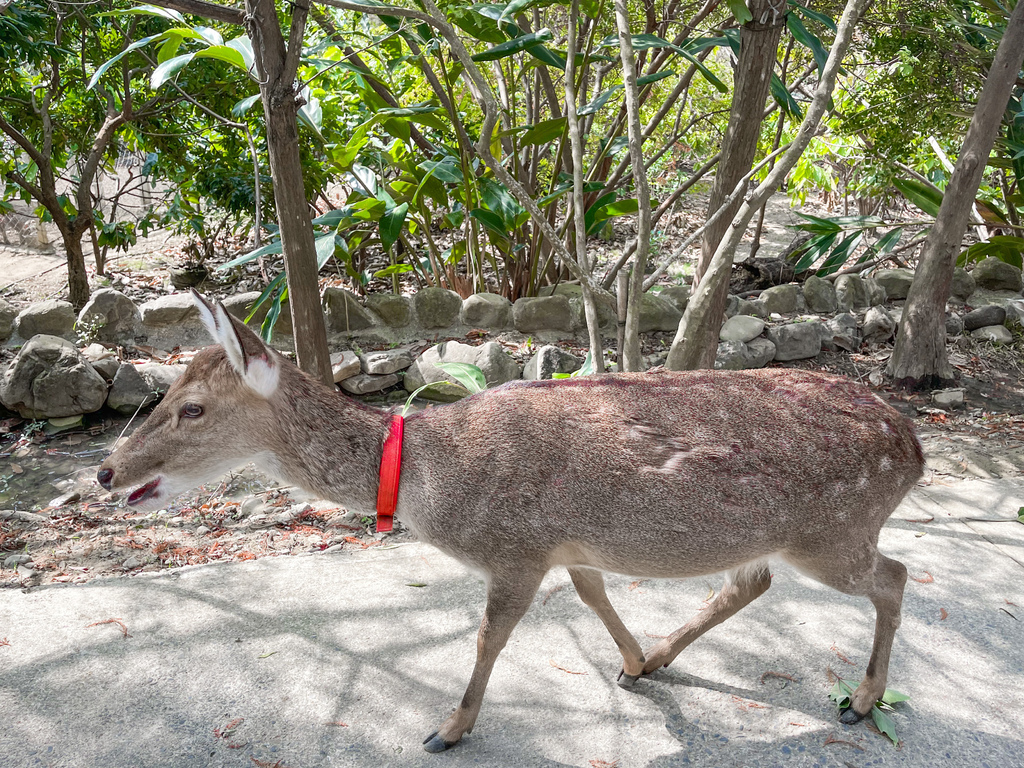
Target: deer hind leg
column 508, row 598
column 867, row 572
column 590, row 587
column 742, row 586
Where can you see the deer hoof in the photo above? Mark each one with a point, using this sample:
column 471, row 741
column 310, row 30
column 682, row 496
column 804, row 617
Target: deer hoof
column 850, row 716
column 434, row 743
column 626, row 681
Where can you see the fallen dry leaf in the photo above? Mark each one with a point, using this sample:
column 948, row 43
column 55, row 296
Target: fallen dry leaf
column 942, row 614
column 567, row 671
column 124, row 629
column 834, row 740
column 17, row 469
column 926, row 579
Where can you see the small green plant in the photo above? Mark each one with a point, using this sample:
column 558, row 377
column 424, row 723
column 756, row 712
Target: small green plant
column 470, row 377
column 842, row 695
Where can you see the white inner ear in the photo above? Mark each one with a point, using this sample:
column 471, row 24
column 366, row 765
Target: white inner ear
column 228, row 338
column 206, row 314
column 262, row 375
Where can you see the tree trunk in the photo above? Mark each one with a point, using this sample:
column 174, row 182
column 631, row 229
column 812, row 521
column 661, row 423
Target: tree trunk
column 697, row 336
column 759, row 44
column 632, row 359
column 276, row 65
column 78, row 280
column 919, row 359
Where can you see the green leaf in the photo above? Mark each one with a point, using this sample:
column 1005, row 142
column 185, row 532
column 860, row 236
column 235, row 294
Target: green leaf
column 169, row 69
column 490, row 220
column 740, row 11
column 818, row 224
column 225, row 53
column 821, row 18
column 784, row 98
column 514, row 46
column 544, row 131
column 152, row 10
column 591, row 218
column 885, row 724
column 814, row 250
column 805, row 38
column 270, row 248
column 112, row 61
column 923, row 196
column 892, row 697
column 1003, row 247
column 267, row 326
column 476, row 25
column 446, row 169
column 887, row 242
column 391, row 224
column 842, row 252
column 599, row 101
column 468, row 375
column 841, row 694
column 244, row 105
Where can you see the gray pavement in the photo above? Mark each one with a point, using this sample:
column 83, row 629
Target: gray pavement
column 337, row 660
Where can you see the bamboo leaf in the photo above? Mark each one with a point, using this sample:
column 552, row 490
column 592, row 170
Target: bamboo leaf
column 924, row 197
column 514, row 46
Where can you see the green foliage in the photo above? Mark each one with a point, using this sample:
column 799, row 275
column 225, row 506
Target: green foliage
column 836, row 239
column 842, row 695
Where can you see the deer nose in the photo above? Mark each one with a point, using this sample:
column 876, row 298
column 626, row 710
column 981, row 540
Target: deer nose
column 105, row 477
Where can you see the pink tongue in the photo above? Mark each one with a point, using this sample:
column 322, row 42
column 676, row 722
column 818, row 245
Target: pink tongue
column 139, row 494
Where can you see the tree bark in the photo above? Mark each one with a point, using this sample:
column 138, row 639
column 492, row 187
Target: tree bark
column 277, row 65
column 759, row 44
column 696, row 339
column 919, row 359
column 631, row 354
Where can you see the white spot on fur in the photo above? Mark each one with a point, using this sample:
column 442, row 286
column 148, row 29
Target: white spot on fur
column 885, row 463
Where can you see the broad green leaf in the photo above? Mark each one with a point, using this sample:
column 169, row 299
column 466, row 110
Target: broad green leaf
column 224, row 53
column 814, row 250
column 391, row 224
column 885, row 724
column 892, row 697
column 478, row 27
column 274, row 285
column 543, row 132
column 818, row 224
column 267, row 326
column 244, row 105
column 784, row 98
column 841, row 694
column 547, row 55
column 468, row 375
column 112, row 61
column 266, row 250
column 803, row 36
column 447, row 169
column 324, row 246
column 622, row 208
column 842, row 252
column 821, row 18
column 592, row 217
column 887, row 242
column 490, row 220
column 740, row 11
column 514, row 46
column 243, row 45
column 924, row 197
column 152, row 10
column 514, row 8
column 393, row 269
column 1003, row 247
column 169, row 69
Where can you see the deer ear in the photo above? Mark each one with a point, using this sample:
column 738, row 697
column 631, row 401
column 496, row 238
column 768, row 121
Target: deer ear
column 252, row 360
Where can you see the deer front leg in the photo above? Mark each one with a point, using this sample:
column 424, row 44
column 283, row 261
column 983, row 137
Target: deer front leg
column 508, row 598
column 590, row 587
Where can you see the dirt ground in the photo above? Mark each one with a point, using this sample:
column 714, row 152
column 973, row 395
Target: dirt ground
column 58, row 525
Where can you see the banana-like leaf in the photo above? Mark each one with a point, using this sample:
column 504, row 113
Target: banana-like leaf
column 391, row 224
column 468, row 375
column 923, row 196
column 514, row 46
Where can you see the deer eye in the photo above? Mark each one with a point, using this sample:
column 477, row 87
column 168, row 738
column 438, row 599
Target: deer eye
column 191, row 411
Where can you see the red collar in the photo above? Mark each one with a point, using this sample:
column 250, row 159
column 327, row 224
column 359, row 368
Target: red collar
column 390, row 470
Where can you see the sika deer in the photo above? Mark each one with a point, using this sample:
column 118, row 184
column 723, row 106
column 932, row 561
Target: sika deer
column 650, row 475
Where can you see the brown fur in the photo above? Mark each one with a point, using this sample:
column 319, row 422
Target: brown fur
column 656, row 475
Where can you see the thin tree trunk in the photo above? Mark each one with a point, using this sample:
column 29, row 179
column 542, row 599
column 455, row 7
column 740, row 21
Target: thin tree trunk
column 759, row 44
column 277, row 65
column 696, row 340
column 919, row 359
column 78, row 279
column 632, row 358
column 576, row 141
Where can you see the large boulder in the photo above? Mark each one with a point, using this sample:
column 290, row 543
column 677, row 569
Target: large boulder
column 879, row 325
column 996, row 275
column 50, row 379
column 395, row 311
column 7, row 314
column 52, row 318
column 658, row 314
column 677, row 294
column 851, row 293
column 781, row 299
column 173, row 310
column 796, row 341
column 843, row 332
column 437, row 307
column 129, row 391
column 997, row 334
column 344, row 313
column 738, row 356
column 963, row 284
column 487, row 310
column 820, row 295
column 896, row 282
column 386, row 361
column 102, row 359
column 741, row 328
column 550, row 360
column 497, row 366
column 109, row 317
column 542, row 313
column 990, row 314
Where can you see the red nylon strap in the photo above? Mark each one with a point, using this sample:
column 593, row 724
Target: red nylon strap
column 390, row 470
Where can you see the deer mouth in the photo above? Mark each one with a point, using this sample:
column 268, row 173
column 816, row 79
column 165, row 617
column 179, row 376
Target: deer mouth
column 144, row 493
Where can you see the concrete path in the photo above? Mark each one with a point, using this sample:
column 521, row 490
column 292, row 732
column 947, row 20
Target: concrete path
column 351, row 659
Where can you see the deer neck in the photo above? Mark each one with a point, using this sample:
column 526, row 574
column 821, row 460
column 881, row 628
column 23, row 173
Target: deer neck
column 328, row 444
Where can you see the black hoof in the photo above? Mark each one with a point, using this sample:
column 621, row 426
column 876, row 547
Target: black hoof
column 850, row 716
column 434, row 743
column 626, row 681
